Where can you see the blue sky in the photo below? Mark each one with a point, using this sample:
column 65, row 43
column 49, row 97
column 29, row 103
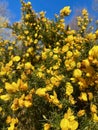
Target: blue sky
column 51, row 7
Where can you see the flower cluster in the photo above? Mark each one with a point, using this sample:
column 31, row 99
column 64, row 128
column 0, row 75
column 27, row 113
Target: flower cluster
column 49, row 74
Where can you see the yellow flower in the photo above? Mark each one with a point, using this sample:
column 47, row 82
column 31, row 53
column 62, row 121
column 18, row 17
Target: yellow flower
column 44, row 55
column 83, row 96
column 27, row 16
column 49, row 87
column 11, row 88
column 12, row 127
column 55, row 57
column 65, row 11
column 14, row 121
column 56, row 50
column 71, row 99
column 47, row 126
column 64, row 124
column 80, row 113
column 35, row 41
column 86, row 63
column 54, row 100
column 21, row 102
column 9, row 119
column 90, row 95
column 41, row 91
column 73, row 125
column 69, row 122
column 65, row 48
column 15, row 105
column 29, row 3
column 22, row 86
column 93, row 108
column 84, row 12
column 69, row 88
column 28, row 65
column 77, row 73
column 27, row 103
column 40, row 74
column 94, row 52
column 16, row 58
column 69, row 38
column 70, row 64
column 95, row 117
column 5, row 97
column 69, row 54
column 42, row 13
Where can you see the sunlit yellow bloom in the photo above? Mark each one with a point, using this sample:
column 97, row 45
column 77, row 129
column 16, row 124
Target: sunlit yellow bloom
column 76, row 53
column 35, row 41
column 77, row 73
column 69, row 38
column 15, row 105
column 84, row 12
column 69, row 54
column 27, row 16
column 47, row 126
column 11, row 88
column 55, row 57
column 86, row 63
column 49, row 87
column 12, row 127
column 64, row 124
column 80, row 113
column 40, row 74
column 90, row 96
column 65, row 48
column 41, row 91
column 27, row 103
column 94, row 51
column 90, row 36
column 65, row 11
column 28, row 3
column 14, row 121
column 95, row 117
column 9, row 119
column 42, row 13
column 21, row 102
column 72, row 100
column 44, row 55
column 22, row 86
column 56, row 50
column 16, row 58
column 28, row 65
column 70, row 64
column 5, row 97
column 69, row 88
column 93, row 108
column 83, row 96
column 69, row 122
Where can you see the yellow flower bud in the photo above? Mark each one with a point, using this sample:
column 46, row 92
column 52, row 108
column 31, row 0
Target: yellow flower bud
column 65, row 11
column 93, row 108
column 77, row 73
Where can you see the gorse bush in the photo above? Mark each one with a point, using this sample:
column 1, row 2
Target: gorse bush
column 49, row 73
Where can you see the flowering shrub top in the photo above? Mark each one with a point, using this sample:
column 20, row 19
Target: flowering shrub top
column 48, row 74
